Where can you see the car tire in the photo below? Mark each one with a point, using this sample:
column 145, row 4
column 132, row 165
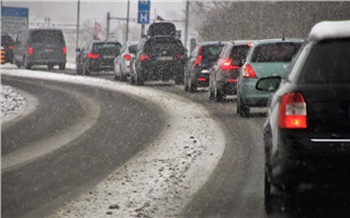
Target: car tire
column 50, row 66
column 191, row 86
column 62, row 66
column 242, row 109
column 26, row 64
column 123, row 78
column 138, row 80
column 186, row 84
column 218, row 96
column 268, row 195
column 16, row 63
column 85, row 70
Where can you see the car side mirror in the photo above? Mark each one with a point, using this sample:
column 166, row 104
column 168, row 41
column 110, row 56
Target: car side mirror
column 269, row 84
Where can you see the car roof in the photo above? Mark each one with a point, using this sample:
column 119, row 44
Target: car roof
column 211, row 43
column 330, row 30
column 242, row 42
column 268, row 41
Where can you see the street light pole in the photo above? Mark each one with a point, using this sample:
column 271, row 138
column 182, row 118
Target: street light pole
column 186, row 22
column 78, row 18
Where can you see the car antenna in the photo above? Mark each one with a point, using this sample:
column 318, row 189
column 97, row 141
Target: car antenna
column 283, row 38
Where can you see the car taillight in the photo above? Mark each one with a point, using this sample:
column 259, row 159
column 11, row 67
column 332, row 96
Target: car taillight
column 93, row 56
column 199, row 58
column 30, row 50
column 292, row 111
column 10, row 47
column 64, row 50
column 248, row 71
column 145, row 57
column 127, row 57
column 178, row 56
column 202, row 79
column 227, row 65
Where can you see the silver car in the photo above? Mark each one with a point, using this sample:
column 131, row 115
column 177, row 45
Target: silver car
column 122, row 61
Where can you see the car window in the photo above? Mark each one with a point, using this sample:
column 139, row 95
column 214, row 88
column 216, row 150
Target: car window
column 239, row 52
column 51, row 36
column 275, row 52
column 328, row 63
column 164, row 44
column 6, row 40
column 132, row 48
column 212, row 52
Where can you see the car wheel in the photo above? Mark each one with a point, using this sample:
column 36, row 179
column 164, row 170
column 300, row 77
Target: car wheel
column 85, row 70
column 62, row 66
column 26, row 63
column 191, row 86
column 186, row 84
column 267, row 194
column 218, row 96
column 242, row 109
column 16, row 63
column 179, row 80
column 122, row 75
column 138, row 80
column 50, row 66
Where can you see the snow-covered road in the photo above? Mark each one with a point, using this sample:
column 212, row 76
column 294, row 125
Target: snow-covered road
column 160, row 180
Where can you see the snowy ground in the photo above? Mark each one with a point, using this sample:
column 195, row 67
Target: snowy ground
column 160, row 180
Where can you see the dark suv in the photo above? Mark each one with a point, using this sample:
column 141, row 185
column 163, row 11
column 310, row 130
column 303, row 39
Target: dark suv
column 159, row 58
column 40, row 47
column 7, row 44
column 96, row 56
column 202, row 57
column 307, row 131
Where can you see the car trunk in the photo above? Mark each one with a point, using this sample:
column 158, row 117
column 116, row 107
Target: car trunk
column 328, row 110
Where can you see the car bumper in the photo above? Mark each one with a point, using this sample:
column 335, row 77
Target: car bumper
column 166, row 70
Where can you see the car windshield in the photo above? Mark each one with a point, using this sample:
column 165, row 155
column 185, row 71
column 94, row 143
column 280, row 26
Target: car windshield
column 275, row 52
column 331, row 64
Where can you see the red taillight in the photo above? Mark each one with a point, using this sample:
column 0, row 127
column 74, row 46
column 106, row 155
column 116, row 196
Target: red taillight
column 292, row 111
column 127, row 57
column 178, row 56
column 231, row 80
column 10, row 47
column 248, row 72
column 145, row 57
column 30, row 50
column 202, row 79
column 64, row 50
column 227, row 65
column 93, row 56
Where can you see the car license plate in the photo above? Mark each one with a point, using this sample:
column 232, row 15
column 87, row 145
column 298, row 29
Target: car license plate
column 165, row 58
column 108, row 56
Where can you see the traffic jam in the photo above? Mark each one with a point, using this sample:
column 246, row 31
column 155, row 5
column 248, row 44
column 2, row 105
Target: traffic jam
column 301, row 84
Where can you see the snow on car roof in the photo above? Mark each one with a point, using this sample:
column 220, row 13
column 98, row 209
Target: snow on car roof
column 330, row 29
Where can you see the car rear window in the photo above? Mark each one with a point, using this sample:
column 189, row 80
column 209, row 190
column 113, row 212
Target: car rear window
column 328, row 63
column 275, row 52
column 47, row 36
column 211, row 52
column 157, row 45
column 6, row 40
column 239, row 52
column 108, row 46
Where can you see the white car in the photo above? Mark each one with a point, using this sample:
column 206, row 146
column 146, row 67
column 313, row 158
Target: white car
column 122, row 61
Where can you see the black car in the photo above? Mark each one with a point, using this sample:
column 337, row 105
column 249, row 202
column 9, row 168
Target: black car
column 199, row 63
column 7, row 44
column 223, row 74
column 307, row 131
column 97, row 56
column 40, row 47
column 158, row 58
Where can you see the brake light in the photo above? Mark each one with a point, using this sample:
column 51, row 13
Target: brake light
column 10, row 47
column 248, row 72
column 127, row 57
column 93, row 56
column 202, row 79
column 30, row 50
column 64, row 50
column 226, row 65
column 199, row 57
column 145, row 57
column 292, row 111
column 178, row 56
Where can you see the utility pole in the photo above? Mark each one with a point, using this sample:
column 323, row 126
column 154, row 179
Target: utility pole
column 127, row 22
column 78, row 24
column 108, row 19
column 186, row 21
